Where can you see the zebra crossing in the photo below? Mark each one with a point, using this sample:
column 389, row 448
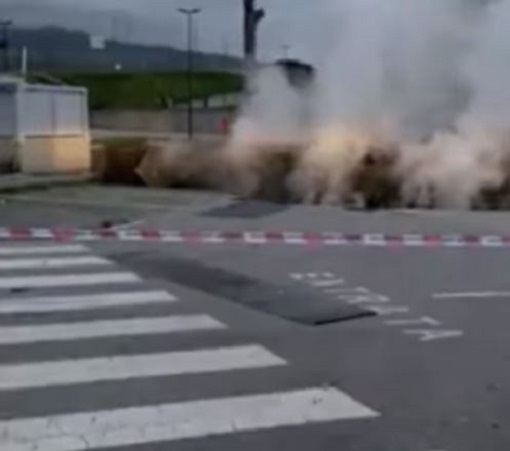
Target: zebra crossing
column 43, row 286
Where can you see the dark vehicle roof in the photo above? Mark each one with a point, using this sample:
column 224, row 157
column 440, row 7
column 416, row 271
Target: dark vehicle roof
column 298, row 73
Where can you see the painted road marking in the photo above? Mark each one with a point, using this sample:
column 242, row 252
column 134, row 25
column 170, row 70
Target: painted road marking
column 473, row 295
column 48, row 263
column 177, row 421
column 67, row 280
column 106, row 328
column 39, row 304
column 123, row 233
column 328, row 283
column 386, row 309
column 331, row 284
column 434, row 334
column 137, row 366
column 255, row 238
column 27, row 250
column 424, row 320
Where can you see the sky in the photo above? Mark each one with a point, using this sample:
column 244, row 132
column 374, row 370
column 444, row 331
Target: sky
column 218, row 28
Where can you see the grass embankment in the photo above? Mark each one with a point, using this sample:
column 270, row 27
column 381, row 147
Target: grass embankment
column 150, row 91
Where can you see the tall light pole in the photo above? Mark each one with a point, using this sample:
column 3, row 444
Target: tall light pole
column 252, row 18
column 190, row 12
column 5, row 25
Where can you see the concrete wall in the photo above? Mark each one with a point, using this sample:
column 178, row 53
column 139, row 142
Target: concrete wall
column 55, row 154
column 207, row 121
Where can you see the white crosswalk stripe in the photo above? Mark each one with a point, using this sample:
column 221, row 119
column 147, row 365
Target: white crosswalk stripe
column 122, row 367
column 106, row 328
column 43, row 249
column 107, row 429
column 67, row 280
column 40, row 304
column 48, row 263
column 49, row 309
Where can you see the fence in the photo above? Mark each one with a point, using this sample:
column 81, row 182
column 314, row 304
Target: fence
column 206, row 121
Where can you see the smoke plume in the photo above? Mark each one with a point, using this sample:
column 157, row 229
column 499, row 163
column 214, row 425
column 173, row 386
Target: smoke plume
column 418, row 88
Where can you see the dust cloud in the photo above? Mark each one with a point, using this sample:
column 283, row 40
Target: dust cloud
column 410, row 105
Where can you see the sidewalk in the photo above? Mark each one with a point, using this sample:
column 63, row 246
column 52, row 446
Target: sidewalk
column 20, row 182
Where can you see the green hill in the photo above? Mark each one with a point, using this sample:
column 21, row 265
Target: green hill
column 54, row 49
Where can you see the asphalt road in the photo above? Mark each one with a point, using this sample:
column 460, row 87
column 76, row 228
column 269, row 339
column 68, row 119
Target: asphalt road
column 425, row 367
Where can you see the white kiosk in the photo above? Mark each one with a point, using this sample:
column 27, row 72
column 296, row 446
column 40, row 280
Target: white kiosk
column 44, row 129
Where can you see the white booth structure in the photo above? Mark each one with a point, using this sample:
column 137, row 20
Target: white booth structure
column 44, row 129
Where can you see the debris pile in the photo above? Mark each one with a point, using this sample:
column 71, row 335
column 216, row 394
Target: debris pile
column 353, row 172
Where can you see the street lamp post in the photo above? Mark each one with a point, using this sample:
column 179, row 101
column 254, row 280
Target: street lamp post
column 5, row 44
column 252, row 18
column 189, row 16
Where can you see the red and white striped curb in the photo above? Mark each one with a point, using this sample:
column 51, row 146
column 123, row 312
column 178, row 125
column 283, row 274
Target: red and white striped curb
column 296, row 238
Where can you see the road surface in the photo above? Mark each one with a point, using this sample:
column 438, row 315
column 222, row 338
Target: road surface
column 150, row 346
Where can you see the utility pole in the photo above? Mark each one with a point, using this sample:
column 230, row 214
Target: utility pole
column 189, row 16
column 252, row 18
column 5, row 26
column 225, row 49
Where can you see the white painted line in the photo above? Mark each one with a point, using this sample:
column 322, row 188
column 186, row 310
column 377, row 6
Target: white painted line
column 43, row 263
column 38, row 304
column 434, row 334
column 45, row 374
column 42, row 233
column 178, row 421
column 414, row 240
column 255, row 238
column 129, row 235
column 294, row 238
column 86, row 235
column 67, row 280
column 213, row 238
column 171, row 237
column 106, row 328
column 492, row 241
column 424, row 320
column 385, row 310
column 473, row 295
column 327, row 284
column 374, row 240
column 27, row 250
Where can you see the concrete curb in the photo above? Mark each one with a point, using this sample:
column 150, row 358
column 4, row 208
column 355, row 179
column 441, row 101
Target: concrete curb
column 257, row 238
